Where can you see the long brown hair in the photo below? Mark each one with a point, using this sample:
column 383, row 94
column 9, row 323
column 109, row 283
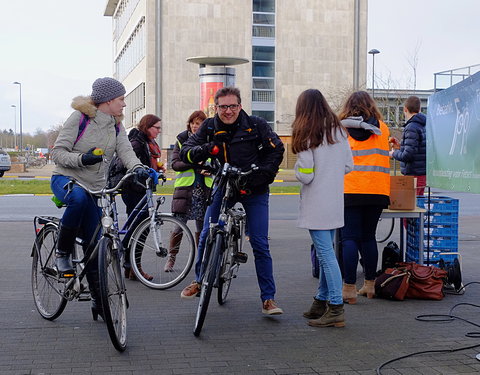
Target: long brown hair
column 360, row 103
column 314, row 122
column 197, row 114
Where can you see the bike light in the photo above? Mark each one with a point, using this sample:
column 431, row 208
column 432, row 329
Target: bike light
column 107, row 221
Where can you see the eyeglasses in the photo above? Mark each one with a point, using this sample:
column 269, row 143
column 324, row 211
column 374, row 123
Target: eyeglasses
column 224, row 107
column 157, row 127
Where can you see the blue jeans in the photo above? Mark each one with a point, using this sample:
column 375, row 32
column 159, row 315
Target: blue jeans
column 330, row 277
column 256, row 208
column 358, row 236
column 82, row 210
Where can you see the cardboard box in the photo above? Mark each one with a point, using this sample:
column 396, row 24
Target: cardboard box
column 402, row 193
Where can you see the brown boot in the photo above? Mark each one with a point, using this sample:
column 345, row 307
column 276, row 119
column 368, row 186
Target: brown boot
column 349, row 293
column 368, row 289
column 334, row 317
column 175, row 240
column 317, row 309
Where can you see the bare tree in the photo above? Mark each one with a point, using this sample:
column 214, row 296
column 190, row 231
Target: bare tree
column 413, row 62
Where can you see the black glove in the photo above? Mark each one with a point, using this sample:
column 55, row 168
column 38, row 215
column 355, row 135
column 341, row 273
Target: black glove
column 141, row 173
column 90, row 159
column 221, row 137
column 258, row 178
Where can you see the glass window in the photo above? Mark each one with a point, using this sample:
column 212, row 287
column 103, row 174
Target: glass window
column 263, row 69
column 263, row 19
column 264, row 6
column 263, row 53
column 263, row 84
column 269, row 116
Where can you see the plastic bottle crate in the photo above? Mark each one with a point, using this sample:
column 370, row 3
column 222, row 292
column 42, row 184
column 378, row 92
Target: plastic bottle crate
column 434, row 257
column 435, row 242
column 433, row 229
column 438, row 204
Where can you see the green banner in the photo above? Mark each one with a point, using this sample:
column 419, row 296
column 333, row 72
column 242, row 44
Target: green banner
column 453, row 134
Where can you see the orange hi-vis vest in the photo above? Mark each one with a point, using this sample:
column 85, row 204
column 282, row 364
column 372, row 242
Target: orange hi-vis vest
column 371, row 171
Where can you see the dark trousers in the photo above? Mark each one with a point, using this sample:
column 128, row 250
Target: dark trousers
column 358, row 237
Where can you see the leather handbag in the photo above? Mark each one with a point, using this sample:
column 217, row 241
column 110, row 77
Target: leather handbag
column 425, row 282
column 392, row 284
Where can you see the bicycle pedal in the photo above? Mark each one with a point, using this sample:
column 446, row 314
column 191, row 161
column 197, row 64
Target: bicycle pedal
column 241, row 257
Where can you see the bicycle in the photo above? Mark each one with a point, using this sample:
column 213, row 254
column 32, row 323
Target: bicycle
column 223, row 248
column 153, row 239
column 51, row 292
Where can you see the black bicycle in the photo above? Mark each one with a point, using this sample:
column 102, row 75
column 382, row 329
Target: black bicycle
column 51, row 292
column 223, row 248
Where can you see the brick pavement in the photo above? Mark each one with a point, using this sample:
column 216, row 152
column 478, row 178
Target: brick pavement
column 236, row 338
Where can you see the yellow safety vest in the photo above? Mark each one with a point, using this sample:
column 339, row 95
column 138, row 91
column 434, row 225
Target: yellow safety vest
column 187, row 177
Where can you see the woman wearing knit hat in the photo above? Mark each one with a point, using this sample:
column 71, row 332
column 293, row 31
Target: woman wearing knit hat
column 95, row 123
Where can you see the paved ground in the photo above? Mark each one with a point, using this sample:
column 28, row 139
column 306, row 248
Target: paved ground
column 237, row 338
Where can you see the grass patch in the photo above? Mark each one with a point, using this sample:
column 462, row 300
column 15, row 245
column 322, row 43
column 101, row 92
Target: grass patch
column 24, row 187
column 16, row 186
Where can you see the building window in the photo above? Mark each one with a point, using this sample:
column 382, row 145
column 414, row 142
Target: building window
column 269, row 116
column 135, row 108
column 264, row 6
column 122, row 16
column 132, row 52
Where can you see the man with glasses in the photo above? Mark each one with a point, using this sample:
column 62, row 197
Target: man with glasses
column 233, row 136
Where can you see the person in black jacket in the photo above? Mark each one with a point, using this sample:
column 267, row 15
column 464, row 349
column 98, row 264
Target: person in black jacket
column 241, row 140
column 412, row 150
column 148, row 151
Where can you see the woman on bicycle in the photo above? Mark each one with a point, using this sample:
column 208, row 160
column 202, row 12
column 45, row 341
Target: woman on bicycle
column 367, row 191
column 324, row 157
column 192, row 187
column 148, row 151
column 92, row 129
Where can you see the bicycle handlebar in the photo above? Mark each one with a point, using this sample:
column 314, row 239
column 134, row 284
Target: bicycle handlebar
column 105, row 190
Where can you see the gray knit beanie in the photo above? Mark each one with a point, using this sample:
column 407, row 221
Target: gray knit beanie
column 105, row 89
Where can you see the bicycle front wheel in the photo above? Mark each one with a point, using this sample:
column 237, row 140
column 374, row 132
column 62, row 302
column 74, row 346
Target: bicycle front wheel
column 161, row 258
column 112, row 293
column 211, row 272
column 47, row 287
column 227, row 269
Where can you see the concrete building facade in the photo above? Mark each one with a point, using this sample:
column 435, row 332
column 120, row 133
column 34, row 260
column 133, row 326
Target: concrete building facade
column 290, row 45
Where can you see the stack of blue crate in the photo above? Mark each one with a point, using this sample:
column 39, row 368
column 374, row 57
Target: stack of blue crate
column 440, row 231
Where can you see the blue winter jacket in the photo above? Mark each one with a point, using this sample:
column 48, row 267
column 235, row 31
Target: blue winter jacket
column 413, row 148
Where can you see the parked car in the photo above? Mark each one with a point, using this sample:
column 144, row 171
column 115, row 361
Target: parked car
column 5, row 163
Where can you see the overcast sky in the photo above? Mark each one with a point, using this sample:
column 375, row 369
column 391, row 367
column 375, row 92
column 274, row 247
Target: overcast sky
column 56, row 48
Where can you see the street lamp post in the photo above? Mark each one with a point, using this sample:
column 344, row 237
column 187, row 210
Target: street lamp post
column 15, row 127
column 373, row 52
column 21, row 133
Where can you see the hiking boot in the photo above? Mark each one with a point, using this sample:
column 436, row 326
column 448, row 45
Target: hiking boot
column 170, row 263
column 334, row 317
column 270, row 308
column 191, row 291
column 145, row 275
column 317, row 309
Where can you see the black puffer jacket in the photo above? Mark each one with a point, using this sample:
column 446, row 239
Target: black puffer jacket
column 252, row 141
column 413, row 148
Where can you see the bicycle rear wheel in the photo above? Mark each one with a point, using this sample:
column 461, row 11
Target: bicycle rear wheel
column 112, row 293
column 47, row 287
column 175, row 241
column 211, row 272
column 227, row 271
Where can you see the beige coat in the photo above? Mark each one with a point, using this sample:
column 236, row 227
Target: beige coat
column 101, row 133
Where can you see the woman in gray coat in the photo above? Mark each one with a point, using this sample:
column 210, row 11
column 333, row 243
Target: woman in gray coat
column 94, row 125
column 324, row 157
